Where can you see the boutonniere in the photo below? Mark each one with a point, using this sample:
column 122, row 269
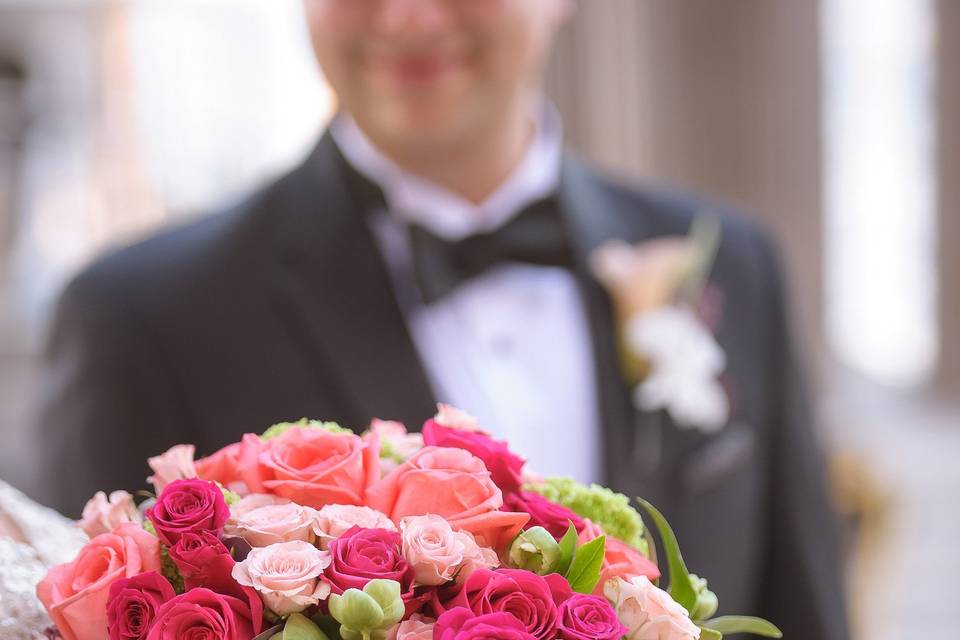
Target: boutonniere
column 668, row 352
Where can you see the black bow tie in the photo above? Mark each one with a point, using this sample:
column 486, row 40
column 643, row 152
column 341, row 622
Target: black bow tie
column 536, row 235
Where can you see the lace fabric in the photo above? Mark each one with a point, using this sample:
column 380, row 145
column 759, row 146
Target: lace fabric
column 40, row 539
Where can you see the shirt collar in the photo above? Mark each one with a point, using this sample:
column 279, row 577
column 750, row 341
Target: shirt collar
column 416, row 200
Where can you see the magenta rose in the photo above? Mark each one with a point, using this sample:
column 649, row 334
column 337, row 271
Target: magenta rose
column 504, row 466
column 203, row 561
column 533, row 600
column 201, row 614
column 551, row 516
column 461, row 623
column 361, row 555
column 188, row 506
column 133, row 603
column 588, row 617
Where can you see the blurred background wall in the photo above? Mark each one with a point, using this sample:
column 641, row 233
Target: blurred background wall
column 835, row 123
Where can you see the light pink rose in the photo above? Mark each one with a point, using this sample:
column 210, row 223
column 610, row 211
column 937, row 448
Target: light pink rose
column 103, row 515
column 453, row 484
column 450, row 416
column 286, row 575
column 418, row 627
column 262, row 519
column 397, row 444
column 75, row 594
column 334, row 520
column 175, row 464
column 649, row 613
column 437, row 552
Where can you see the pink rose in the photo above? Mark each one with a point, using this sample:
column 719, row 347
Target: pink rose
column 76, row 594
column 620, row 560
column 584, row 617
column 334, row 520
column 286, row 575
column 531, row 599
column 262, row 520
column 649, row 613
column 454, row 418
column 553, row 517
column 223, row 467
column 445, row 431
column 453, row 484
column 397, row 445
column 361, row 555
column 101, row 515
column 202, row 614
column 463, row 624
column 418, row 627
column 133, row 604
column 175, row 464
column 437, row 552
column 188, row 506
column 312, row 467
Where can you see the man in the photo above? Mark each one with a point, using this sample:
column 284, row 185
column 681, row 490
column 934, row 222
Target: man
column 367, row 283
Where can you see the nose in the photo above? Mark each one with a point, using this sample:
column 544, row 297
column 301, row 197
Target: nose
column 413, row 16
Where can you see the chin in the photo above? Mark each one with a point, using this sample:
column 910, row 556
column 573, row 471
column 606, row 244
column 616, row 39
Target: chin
column 418, row 124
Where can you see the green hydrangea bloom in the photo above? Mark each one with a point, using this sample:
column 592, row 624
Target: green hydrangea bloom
column 230, row 497
column 389, row 452
column 610, row 510
column 304, row 423
column 167, row 566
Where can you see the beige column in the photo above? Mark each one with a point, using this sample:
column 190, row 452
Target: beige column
column 948, row 78
column 720, row 97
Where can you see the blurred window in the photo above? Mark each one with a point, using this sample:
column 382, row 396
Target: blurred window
column 879, row 172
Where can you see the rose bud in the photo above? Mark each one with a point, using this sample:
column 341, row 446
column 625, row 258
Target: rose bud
column 707, row 602
column 535, row 550
column 361, row 613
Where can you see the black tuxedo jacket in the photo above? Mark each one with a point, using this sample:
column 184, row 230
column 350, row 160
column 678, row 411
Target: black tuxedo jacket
column 282, row 308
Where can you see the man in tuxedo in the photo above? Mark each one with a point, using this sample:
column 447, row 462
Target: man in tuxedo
column 434, row 246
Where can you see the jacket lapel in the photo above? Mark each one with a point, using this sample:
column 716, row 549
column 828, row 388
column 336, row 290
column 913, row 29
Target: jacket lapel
column 337, row 291
column 632, row 440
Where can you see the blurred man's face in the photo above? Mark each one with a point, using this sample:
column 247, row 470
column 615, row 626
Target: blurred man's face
column 421, row 73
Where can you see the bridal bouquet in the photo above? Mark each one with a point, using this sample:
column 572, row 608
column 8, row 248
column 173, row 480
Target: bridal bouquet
column 311, row 532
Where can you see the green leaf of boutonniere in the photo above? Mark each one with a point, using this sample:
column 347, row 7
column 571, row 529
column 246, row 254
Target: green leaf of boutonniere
column 584, row 571
column 568, row 547
column 742, row 624
column 680, row 588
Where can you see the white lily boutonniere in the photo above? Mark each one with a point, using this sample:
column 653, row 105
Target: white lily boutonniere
column 668, row 351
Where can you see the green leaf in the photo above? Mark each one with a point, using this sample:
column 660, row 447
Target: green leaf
column 584, row 572
column 710, row 634
column 568, row 546
column 680, row 588
column 299, row 627
column 743, row 624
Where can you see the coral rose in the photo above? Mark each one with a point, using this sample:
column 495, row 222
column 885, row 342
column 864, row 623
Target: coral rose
column 452, row 428
column 223, row 466
column 453, row 484
column 262, row 519
column 103, row 515
column 286, row 575
column 76, row 594
column 648, row 612
column 312, row 467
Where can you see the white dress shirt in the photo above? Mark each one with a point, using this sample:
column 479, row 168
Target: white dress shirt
column 510, row 346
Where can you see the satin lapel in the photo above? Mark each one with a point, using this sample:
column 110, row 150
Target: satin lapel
column 632, row 440
column 334, row 285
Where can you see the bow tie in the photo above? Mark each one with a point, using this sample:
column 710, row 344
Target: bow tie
column 536, row 235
